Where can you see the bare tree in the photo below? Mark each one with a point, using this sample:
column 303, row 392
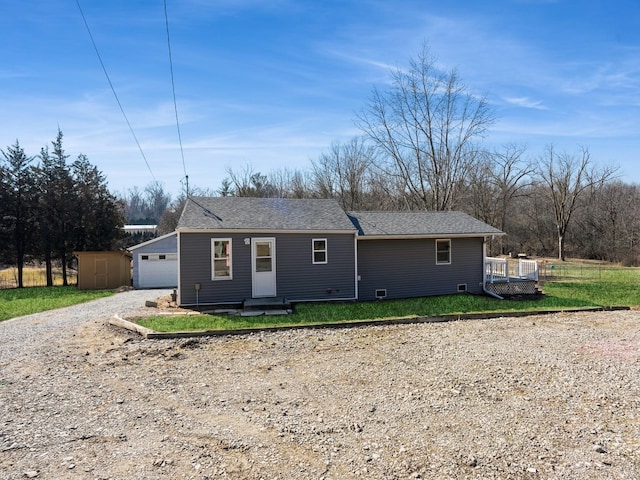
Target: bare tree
column 502, row 177
column 157, row 200
column 608, row 224
column 425, row 127
column 482, row 192
column 289, row 183
column 531, row 228
column 249, row 183
column 134, row 204
column 566, row 177
column 146, row 206
column 344, row 172
column 169, row 219
column 299, row 185
column 510, row 174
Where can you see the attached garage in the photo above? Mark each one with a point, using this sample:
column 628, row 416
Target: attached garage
column 155, row 263
column 157, row 270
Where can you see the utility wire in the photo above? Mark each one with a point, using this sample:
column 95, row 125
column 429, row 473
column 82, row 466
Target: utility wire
column 175, row 104
column 104, row 69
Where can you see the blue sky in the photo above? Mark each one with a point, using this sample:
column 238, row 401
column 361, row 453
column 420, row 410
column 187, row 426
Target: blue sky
column 271, row 84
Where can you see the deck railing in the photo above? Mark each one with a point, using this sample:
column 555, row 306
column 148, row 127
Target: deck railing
column 504, row 269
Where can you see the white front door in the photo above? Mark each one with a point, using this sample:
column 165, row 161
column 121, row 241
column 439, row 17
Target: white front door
column 263, row 266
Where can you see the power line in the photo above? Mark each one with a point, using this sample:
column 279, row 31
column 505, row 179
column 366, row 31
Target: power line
column 175, row 104
column 104, row 69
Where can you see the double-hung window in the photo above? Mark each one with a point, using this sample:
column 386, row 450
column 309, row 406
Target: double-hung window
column 443, row 252
column 319, row 250
column 221, row 258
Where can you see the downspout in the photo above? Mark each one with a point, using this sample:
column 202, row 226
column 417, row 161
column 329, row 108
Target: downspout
column 355, row 248
column 179, row 290
column 484, row 271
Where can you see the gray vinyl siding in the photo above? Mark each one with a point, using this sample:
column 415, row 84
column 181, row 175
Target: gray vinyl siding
column 407, row 267
column 299, row 279
column 166, row 245
column 195, row 267
column 296, row 277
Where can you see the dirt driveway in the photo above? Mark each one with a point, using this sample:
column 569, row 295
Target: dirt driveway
column 554, row 396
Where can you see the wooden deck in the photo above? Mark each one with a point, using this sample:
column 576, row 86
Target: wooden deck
column 511, row 277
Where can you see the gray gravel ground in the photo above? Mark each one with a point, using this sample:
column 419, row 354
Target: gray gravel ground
column 546, row 397
column 32, row 332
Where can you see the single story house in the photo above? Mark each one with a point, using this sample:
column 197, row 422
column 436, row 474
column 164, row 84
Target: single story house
column 231, row 249
column 155, row 262
column 417, row 254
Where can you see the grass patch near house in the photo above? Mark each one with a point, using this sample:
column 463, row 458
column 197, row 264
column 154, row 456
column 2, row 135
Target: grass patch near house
column 616, row 286
column 16, row 302
column 321, row 313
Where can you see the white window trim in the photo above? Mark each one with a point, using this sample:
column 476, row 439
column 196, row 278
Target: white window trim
column 313, row 251
column 443, row 240
column 213, row 259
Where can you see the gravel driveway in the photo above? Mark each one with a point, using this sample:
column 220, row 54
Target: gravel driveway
column 554, row 396
column 34, row 332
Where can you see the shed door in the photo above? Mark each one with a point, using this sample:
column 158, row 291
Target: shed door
column 157, row 270
column 102, row 273
column 263, row 266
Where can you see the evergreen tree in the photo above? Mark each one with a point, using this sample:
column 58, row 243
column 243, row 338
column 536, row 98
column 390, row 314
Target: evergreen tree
column 99, row 215
column 66, row 206
column 55, row 189
column 16, row 204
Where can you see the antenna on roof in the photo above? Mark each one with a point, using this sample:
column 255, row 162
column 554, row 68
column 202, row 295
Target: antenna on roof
column 206, row 211
column 185, row 182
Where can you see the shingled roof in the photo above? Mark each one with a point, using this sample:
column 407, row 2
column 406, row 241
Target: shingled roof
column 244, row 213
column 288, row 214
column 432, row 224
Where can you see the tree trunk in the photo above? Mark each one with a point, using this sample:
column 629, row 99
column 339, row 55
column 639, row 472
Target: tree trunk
column 63, row 259
column 561, row 255
column 20, row 269
column 48, row 268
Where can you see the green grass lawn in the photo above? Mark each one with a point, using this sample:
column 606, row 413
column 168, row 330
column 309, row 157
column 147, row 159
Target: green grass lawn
column 616, row 287
column 579, row 285
column 16, row 302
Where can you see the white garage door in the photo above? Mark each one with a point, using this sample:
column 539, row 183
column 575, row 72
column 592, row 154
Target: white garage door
column 156, row 270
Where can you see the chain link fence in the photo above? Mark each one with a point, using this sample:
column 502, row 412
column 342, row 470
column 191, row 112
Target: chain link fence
column 559, row 271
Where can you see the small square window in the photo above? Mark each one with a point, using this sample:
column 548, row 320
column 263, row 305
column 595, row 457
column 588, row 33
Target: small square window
column 319, row 250
column 443, row 252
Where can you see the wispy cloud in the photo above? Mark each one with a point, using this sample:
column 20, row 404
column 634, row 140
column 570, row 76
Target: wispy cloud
column 526, row 102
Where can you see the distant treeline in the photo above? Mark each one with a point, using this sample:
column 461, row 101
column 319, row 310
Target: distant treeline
column 555, row 204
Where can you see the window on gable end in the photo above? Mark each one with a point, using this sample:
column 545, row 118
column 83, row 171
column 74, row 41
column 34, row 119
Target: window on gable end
column 221, row 258
column 319, row 250
column 443, row 252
